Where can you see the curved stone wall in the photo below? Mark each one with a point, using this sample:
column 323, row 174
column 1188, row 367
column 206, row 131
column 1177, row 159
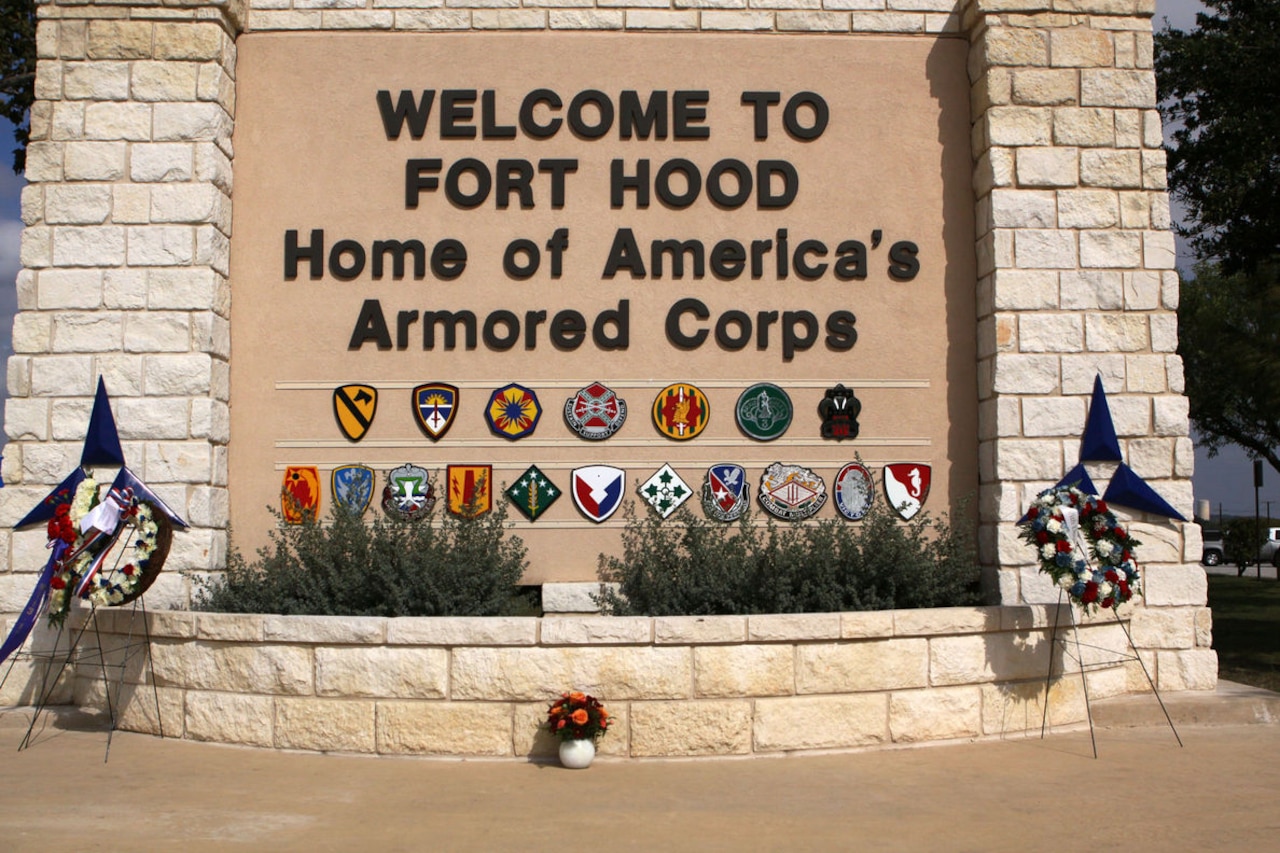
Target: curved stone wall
column 677, row 686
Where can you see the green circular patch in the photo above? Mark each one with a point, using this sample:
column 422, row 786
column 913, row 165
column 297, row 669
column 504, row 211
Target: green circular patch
column 764, row 411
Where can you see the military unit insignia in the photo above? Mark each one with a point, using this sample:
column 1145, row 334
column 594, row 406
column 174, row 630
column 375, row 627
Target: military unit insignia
column 434, row 406
column 300, row 494
column 665, row 491
column 470, row 489
column 854, row 491
column 839, row 410
column 513, row 411
column 906, row 486
column 597, row 490
column 595, row 412
column 725, row 492
column 791, row 492
column 533, row 493
column 408, row 494
column 354, row 407
column 681, row 411
column 352, row 488
column 763, row 412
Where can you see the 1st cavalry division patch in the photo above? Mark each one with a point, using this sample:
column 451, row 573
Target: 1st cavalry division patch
column 681, row 411
column 354, row 407
column 725, row 492
column 434, row 406
column 791, row 492
column 595, row 412
column 533, row 493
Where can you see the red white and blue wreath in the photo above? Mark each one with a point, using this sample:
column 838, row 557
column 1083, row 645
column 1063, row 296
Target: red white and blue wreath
column 84, row 535
column 1082, row 547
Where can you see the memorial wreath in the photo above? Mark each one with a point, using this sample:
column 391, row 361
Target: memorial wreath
column 1082, row 547
column 84, row 533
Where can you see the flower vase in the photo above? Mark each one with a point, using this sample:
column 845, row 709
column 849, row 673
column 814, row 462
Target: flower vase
column 576, row 754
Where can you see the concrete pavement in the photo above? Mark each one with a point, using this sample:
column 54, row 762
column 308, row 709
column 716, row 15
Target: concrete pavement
column 1144, row 792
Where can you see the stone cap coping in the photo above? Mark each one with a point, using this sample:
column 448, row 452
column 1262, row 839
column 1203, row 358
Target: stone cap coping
column 586, row 630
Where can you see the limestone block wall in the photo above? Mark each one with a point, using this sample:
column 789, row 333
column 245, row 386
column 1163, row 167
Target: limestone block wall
column 128, row 212
column 677, row 686
column 1076, row 265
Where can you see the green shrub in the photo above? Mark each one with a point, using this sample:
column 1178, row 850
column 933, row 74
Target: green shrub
column 462, row 567
column 694, row 566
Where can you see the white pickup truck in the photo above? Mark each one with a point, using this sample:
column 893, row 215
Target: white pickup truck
column 1270, row 550
column 1214, row 552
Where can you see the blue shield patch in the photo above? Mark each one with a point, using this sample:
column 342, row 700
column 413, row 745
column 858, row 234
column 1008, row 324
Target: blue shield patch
column 352, row 488
column 724, row 492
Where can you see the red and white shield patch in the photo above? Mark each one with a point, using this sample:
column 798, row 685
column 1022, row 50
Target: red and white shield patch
column 906, row 486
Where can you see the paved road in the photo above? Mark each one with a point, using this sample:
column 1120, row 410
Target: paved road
column 1268, row 571
column 1142, row 793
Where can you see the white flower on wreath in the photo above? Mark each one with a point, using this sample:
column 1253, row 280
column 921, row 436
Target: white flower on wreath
column 1049, row 550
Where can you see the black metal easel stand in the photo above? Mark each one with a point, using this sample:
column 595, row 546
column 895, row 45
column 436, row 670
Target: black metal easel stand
column 134, row 643
column 1078, row 657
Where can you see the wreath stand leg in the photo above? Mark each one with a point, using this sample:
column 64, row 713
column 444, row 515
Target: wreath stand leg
column 1084, row 682
column 127, row 652
column 1079, row 656
column 48, row 684
column 1150, row 682
column 44, row 690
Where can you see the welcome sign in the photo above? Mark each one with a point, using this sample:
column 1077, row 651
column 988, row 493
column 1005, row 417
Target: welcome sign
column 549, row 230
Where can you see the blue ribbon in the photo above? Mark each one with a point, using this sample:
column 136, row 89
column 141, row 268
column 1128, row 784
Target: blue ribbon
column 39, row 597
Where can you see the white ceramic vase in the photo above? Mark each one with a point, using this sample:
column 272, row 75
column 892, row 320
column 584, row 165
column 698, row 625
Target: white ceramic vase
column 577, row 754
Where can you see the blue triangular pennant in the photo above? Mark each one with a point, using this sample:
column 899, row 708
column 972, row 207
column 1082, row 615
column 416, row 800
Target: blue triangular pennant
column 63, row 493
column 1099, row 443
column 1130, row 490
column 1077, row 477
column 141, row 491
column 101, row 442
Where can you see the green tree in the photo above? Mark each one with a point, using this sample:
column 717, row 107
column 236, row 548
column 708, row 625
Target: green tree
column 1219, row 89
column 18, row 70
column 1240, row 543
column 1229, row 339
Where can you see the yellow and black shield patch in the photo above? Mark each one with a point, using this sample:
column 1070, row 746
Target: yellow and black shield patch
column 354, row 407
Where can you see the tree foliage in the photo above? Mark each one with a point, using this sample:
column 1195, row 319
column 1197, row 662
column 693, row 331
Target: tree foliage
column 1229, row 339
column 1219, row 89
column 18, row 70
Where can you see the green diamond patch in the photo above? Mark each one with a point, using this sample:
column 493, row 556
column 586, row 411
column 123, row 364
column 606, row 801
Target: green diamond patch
column 665, row 491
column 533, row 493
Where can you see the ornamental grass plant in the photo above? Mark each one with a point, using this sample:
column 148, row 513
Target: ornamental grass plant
column 694, row 566
column 459, row 566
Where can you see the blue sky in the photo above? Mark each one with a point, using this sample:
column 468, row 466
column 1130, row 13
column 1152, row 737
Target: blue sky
column 1226, row 479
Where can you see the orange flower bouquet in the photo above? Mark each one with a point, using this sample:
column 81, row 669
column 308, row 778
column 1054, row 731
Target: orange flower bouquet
column 577, row 716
